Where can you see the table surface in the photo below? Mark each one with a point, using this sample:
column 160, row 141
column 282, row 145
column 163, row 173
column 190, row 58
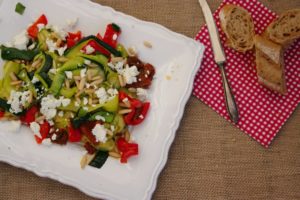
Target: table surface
column 209, row 159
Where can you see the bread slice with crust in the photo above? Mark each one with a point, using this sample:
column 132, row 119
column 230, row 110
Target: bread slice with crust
column 286, row 28
column 269, row 64
column 237, row 24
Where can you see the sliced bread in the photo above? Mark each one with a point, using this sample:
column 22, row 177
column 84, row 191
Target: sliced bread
column 286, row 28
column 237, row 24
column 269, row 64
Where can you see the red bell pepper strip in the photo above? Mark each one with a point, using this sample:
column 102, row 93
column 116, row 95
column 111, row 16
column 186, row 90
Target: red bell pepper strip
column 33, row 30
column 38, row 139
column 127, row 149
column 73, row 38
column 111, row 34
column 2, row 114
column 137, row 115
column 139, row 109
column 99, row 36
column 96, row 47
column 29, row 116
column 133, row 102
column 45, row 129
column 74, row 134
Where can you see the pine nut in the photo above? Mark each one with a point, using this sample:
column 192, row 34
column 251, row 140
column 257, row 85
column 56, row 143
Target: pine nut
column 132, row 51
column 16, row 83
column 58, row 42
column 13, row 77
column 96, row 78
column 127, row 136
column 116, row 59
column 97, row 82
column 82, row 83
column 36, row 63
column 86, row 159
column 114, row 154
column 124, row 105
column 132, row 89
column 67, row 83
column 121, row 80
column 147, row 44
column 62, row 59
column 124, row 111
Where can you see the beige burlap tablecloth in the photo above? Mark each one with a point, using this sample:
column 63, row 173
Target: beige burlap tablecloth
column 209, row 159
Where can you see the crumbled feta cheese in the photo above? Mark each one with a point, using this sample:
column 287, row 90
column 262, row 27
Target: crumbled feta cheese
column 35, row 127
column 101, row 94
column 49, row 26
column 142, row 94
column 99, row 131
column 85, row 101
column 51, row 123
column 60, row 32
column 53, row 137
column 69, row 74
column 87, row 85
column 72, row 23
column 65, row 102
column 125, row 100
column 40, row 26
column 129, row 74
column 99, row 117
column 112, row 92
column 49, row 105
column 21, row 40
column 83, row 73
column 76, row 104
column 87, row 62
column 115, row 36
column 111, row 65
column 61, row 50
column 35, row 80
column 53, row 71
column 17, row 101
column 32, row 46
column 104, row 95
column 47, row 141
column 89, row 49
column 85, row 108
column 117, row 66
column 61, row 113
column 112, row 128
column 51, row 45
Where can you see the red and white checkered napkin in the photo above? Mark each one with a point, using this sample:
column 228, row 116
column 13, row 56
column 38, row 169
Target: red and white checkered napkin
column 262, row 112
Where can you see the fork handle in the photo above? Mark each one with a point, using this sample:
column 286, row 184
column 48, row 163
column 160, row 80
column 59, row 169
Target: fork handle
column 229, row 98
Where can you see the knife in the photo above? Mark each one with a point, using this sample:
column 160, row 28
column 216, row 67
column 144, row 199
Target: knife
column 220, row 60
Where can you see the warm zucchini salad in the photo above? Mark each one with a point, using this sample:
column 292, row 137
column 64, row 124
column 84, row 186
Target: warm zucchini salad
column 70, row 88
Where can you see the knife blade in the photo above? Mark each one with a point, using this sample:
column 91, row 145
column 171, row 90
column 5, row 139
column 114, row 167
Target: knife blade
column 220, row 60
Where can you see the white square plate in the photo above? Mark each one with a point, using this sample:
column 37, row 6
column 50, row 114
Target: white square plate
column 174, row 56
